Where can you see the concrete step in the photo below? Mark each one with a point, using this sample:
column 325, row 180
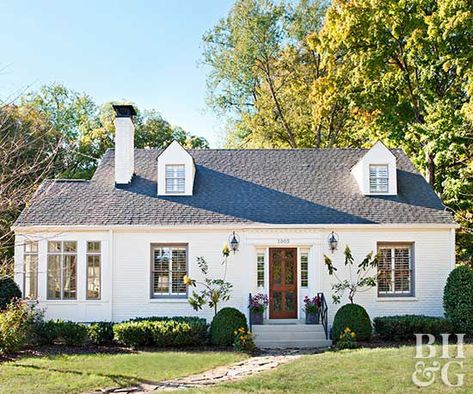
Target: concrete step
column 266, row 328
column 294, row 343
column 288, row 335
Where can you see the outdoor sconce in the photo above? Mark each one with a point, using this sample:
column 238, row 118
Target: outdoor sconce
column 333, row 242
column 234, row 241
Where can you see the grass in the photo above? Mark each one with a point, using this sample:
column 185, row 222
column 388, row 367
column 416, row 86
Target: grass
column 381, row 370
column 76, row 373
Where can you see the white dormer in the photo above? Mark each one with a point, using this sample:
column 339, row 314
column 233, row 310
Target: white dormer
column 176, row 171
column 376, row 172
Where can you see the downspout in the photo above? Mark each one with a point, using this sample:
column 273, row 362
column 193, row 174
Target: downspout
column 111, row 259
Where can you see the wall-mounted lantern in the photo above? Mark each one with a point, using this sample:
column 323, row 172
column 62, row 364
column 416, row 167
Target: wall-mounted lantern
column 234, row 241
column 333, row 241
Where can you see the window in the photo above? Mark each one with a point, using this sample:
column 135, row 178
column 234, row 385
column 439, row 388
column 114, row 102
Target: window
column 62, row 270
column 304, row 269
column 260, row 269
column 168, row 269
column 379, row 178
column 175, row 178
column 93, row 270
column 395, row 270
column 30, row 281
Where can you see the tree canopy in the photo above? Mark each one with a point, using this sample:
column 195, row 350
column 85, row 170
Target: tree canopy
column 303, row 74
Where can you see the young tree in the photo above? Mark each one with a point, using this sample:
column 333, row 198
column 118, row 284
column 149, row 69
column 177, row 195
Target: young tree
column 358, row 282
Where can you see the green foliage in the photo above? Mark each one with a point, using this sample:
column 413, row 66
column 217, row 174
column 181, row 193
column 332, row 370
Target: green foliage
column 16, row 323
column 356, row 318
column 224, row 325
column 458, row 299
column 60, row 332
column 100, row 333
column 357, row 283
column 162, row 332
column 347, row 340
column 214, row 290
column 9, row 290
column 243, row 341
column 403, row 328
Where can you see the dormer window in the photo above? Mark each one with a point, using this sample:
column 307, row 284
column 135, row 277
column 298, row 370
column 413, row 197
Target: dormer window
column 379, row 178
column 175, row 178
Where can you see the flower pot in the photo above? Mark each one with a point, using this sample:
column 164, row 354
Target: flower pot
column 256, row 318
column 312, row 318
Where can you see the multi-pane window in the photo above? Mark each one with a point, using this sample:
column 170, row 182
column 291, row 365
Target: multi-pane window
column 169, row 266
column 62, row 270
column 30, row 269
column 260, row 269
column 175, row 178
column 395, row 270
column 379, row 178
column 304, row 269
column 93, row 270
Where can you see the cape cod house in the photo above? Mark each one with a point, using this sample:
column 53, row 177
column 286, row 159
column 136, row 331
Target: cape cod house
column 117, row 246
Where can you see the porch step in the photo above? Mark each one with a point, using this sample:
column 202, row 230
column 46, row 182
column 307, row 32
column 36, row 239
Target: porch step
column 290, row 336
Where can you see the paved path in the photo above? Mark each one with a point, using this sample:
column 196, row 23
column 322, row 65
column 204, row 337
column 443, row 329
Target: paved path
column 226, row 373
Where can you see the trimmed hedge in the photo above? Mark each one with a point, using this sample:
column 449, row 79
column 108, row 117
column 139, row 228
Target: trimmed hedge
column 402, row 328
column 224, row 325
column 354, row 317
column 458, row 299
column 101, row 333
column 9, row 290
column 59, row 331
column 162, row 332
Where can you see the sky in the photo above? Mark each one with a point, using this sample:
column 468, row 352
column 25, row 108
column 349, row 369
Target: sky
column 144, row 51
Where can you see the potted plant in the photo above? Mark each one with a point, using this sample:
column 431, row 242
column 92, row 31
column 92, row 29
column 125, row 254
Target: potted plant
column 311, row 309
column 258, row 304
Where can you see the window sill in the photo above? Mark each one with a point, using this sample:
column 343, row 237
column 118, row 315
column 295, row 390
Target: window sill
column 395, row 299
column 170, row 300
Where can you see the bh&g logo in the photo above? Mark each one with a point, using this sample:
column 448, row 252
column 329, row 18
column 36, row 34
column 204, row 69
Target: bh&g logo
column 426, row 372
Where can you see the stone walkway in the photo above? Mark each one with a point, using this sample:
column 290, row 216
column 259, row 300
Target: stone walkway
column 225, row 373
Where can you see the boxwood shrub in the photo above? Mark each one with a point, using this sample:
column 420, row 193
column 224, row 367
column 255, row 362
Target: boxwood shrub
column 162, row 332
column 458, row 299
column 402, row 328
column 101, row 333
column 354, row 317
column 9, row 290
column 224, row 324
column 60, row 332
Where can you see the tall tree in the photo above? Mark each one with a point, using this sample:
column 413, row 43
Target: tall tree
column 405, row 70
column 262, row 71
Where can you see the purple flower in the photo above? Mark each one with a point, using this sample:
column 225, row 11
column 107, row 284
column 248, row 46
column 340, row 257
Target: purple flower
column 259, row 302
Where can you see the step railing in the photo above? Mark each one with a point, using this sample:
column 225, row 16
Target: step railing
column 324, row 313
column 250, row 322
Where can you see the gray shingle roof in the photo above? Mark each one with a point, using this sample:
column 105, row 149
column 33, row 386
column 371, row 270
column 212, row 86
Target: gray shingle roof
column 308, row 186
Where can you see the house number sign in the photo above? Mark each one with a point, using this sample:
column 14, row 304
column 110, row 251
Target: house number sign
column 283, row 241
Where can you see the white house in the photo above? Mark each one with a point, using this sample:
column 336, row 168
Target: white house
column 117, row 246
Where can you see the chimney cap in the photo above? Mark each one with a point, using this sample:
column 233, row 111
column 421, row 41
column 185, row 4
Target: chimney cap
column 124, row 111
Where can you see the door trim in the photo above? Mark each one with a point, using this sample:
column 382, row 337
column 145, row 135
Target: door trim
column 296, row 281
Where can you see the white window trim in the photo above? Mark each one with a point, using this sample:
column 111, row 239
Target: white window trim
column 183, row 178
column 397, row 295
column 372, row 191
column 170, row 294
column 306, row 253
column 261, row 253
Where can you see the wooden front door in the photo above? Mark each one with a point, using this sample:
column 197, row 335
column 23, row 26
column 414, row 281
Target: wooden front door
column 283, row 283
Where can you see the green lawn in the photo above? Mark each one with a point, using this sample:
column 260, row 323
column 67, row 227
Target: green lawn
column 78, row 373
column 379, row 370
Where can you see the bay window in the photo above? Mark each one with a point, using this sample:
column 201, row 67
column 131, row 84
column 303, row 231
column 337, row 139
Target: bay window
column 62, row 270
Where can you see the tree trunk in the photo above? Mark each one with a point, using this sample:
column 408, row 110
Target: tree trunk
column 430, row 168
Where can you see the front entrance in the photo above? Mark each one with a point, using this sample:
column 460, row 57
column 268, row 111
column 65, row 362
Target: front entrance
column 283, row 283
